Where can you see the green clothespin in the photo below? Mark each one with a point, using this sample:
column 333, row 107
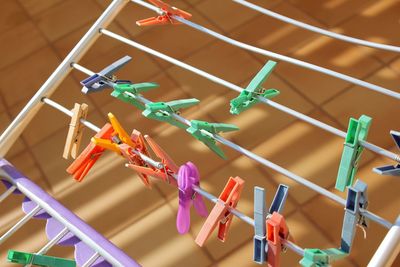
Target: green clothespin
column 162, row 111
column 135, row 89
column 248, row 97
column 195, row 130
column 357, row 131
column 314, row 257
column 24, row 258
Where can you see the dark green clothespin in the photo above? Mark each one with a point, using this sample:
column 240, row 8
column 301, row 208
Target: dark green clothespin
column 248, row 97
column 357, row 131
column 162, row 111
column 24, row 258
column 314, row 257
column 195, row 130
column 133, row 88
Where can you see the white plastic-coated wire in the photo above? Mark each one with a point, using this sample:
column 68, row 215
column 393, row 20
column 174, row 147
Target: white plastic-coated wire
column 160, row 165
column 261, row 160
column 91, row 260
column 8, row 192
column 318, row 30
column 267, row 53
column 303, row 117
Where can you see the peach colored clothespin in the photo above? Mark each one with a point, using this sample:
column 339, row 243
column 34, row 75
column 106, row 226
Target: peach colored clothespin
column 220, row 214
column 276, row 229
column 75, row 131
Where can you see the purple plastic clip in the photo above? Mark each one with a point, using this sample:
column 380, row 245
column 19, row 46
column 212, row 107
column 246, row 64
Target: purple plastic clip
column 188, row 176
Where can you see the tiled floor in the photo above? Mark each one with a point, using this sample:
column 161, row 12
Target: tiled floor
column 35, row 35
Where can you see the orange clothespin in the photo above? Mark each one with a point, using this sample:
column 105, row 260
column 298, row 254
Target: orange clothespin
column 276, row 229
column 75, row 131
column 166, row 173
column 166, row 17
column 220, row 214
column 85, row 161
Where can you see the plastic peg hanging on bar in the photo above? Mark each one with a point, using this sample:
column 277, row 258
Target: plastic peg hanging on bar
column 166, row 17
column 276, row 229
column 25, row 258
column 393, row 170
column 121, row 91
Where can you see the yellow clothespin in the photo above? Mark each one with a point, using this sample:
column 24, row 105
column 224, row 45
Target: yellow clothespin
column 75, row 131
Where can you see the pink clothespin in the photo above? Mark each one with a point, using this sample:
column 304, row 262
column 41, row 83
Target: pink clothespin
column 220, row 214
column 166, row 173
column 188, row 176
column 276, row 229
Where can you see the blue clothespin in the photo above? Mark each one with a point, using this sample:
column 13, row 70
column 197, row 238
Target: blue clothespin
column 260, row 214
column 393, row 170
column 356, row 198
column 105, row 78
column 357, row 131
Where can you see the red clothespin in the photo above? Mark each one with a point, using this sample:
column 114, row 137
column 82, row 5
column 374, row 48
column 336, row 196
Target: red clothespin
column 85, row 161
column 276, row 229
column 165, row 173
column 220, row 214
column 166, row 17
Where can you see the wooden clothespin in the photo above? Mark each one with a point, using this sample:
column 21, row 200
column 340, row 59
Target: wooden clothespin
column 75, row 131
column 220, row 214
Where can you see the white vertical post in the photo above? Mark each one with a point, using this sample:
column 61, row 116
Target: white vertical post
column 388, row 249
column 14, row 130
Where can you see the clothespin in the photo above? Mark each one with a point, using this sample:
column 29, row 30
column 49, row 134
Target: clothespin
column 276, row 229
column 220, row 214
column 356, row 198
column 197, row 126
column 162, row 111
column 169, row 168
column 357, row 131
column 393, row 170
column 249, row 96
column 75, row 131
column 25, row 258
column 120, row 90
column 260, row 213
column 314, row 257
column 166, row 17
column 85, row 161
column 188, row 176
column 105, row 78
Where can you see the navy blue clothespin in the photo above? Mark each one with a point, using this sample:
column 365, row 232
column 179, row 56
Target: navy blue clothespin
column 393, row 170
column 260, row 215
column 356, row 198
column 105, row 78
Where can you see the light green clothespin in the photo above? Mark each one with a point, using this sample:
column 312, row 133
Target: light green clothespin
column 133, row 88
column 25, row 258
column 314, row 257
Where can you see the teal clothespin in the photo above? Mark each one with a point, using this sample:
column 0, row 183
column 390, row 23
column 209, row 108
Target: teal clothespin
column 195, row 130
column 314, row 257
column 357, row 131
column 24, row 258
column 162, row 111
column 133, row 88
column 248, row 97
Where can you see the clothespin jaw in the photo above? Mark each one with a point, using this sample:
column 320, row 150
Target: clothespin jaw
column 393, row 170
column 197, row 126
column 75, row 131
column 279, row 200
column 357, row 131
column 249, row 97
column 314, row 257
column 356, row 198
column 38, row 260
column 162, row 111
column 276, row 229
column 85, row 161
column 260, row 213
column 120, row 90
column 166, row 17
column 220, row 214
column 105, row 78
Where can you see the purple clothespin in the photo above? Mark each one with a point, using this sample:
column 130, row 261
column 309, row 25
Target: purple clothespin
column 188, row 176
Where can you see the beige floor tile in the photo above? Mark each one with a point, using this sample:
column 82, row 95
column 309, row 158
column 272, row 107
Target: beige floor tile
column 395, row 65
column 33, row 7
column 332, row 12
column 157, row 229
column 18, row 146
column 57, row 21
column 272, row 34
column 44, row 62
column 14, row 15
column 24, row 38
